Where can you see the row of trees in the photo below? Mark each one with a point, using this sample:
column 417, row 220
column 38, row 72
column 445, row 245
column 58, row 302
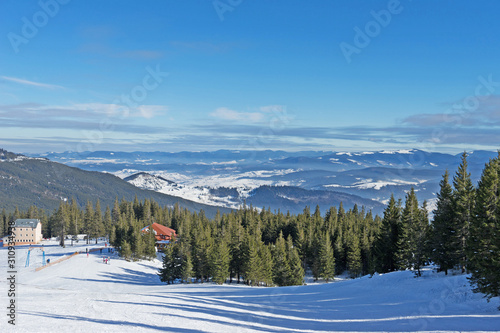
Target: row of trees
column 265, row 248
column 464, row 233
column 466, row 226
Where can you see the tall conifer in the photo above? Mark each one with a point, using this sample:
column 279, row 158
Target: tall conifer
column 483, row 245
column 443, row 231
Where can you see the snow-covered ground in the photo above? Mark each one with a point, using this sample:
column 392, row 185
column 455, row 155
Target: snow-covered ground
column 85, row 295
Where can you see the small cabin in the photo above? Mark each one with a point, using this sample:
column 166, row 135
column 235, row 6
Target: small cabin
column 163, row 234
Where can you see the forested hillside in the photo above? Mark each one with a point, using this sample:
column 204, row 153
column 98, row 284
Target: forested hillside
column 37, row 181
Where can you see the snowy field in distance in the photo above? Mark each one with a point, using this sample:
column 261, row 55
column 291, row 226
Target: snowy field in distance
column 85, row 295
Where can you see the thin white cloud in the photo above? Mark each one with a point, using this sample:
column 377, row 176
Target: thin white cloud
column 273, row 108
column 228, row 114
column 31, row 83
column 150, row 111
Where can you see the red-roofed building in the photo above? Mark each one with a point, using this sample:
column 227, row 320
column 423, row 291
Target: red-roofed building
column 163, row 234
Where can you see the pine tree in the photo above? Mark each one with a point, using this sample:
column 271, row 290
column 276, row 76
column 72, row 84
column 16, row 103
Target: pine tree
column 411, row 220
column 125, row 250
column 483, row 245
column 220, row 259
column 266, row 268
column 354, row 256
column 89, row 220
column 74, row 215
column 116, row 212
column 166, row 272
column 386, row 244
column 62, row 221
column 443, row 232
column 186, row 264
column 97, row 227
column 150, row 244
column 419, row 236
column 107, row 222
column 297, row 272
column 251, row 267
column 281, row 269
column 3, row 223
column 463, row 205
column 326, row 259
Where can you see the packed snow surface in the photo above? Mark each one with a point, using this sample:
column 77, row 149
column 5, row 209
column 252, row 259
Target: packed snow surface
column 82, row 294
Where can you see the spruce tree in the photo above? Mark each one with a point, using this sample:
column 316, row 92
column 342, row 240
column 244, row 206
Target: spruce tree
column 89, row 220
column 419, row 236
column 3, row 223
column 251, row 268
column 326, row 259
column 411, row 219
column 62, row 221
column 107, row 222
column 483, row 245
column 297, row 272
column 386, row 243
column 463, row 205
column 125, row 250
column 74, row 216
column 166, row 272
column 266, row 262
column 220, row 259
column 354, row 256
column 443, row 232
column 97, row 227
column 281, row 269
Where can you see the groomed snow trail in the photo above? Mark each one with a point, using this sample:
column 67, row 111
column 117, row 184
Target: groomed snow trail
column 85, row 295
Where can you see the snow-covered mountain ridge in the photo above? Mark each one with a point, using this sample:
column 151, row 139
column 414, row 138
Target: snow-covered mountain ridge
column 198, row 176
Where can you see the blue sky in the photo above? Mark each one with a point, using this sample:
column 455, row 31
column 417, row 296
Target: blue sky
column 229, row 74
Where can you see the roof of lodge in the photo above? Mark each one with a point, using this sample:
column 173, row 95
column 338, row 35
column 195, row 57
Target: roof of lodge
column 161, row 230
column 26, row 223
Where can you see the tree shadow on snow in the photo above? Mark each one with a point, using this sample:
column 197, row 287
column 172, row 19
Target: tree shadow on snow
column 108, row 322
column 129, row 276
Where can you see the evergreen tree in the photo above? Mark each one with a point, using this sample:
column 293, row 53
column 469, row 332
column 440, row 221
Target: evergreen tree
column 483, row 245
column 251, row 266
column 443, row 231
column 297, row 272
column 354, row 256
column 62, row 221
column 125, row 250
column 186, row 266
column 167, row 272
column 220, row 259
column 410, row 220
column 89, row 220
column 386, row 244
column 74, row 216
column 96, row 228
column 419, row 236
column 326, row 259
column 3, row 223
column 463, row 205
column 107, row 222
column 116, row 212
column 266, row 268
column 281, row 269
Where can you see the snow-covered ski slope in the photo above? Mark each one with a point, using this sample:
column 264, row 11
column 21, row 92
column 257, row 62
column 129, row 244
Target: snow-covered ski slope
column 85, row 295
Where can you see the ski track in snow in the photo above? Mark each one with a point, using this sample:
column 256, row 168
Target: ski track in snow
column 84, row 295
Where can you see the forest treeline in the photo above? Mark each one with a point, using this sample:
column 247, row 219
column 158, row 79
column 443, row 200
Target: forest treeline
column 265, row 248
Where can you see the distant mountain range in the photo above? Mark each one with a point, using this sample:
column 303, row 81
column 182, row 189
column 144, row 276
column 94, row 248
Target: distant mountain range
column 26, row 181
column 279, row 179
